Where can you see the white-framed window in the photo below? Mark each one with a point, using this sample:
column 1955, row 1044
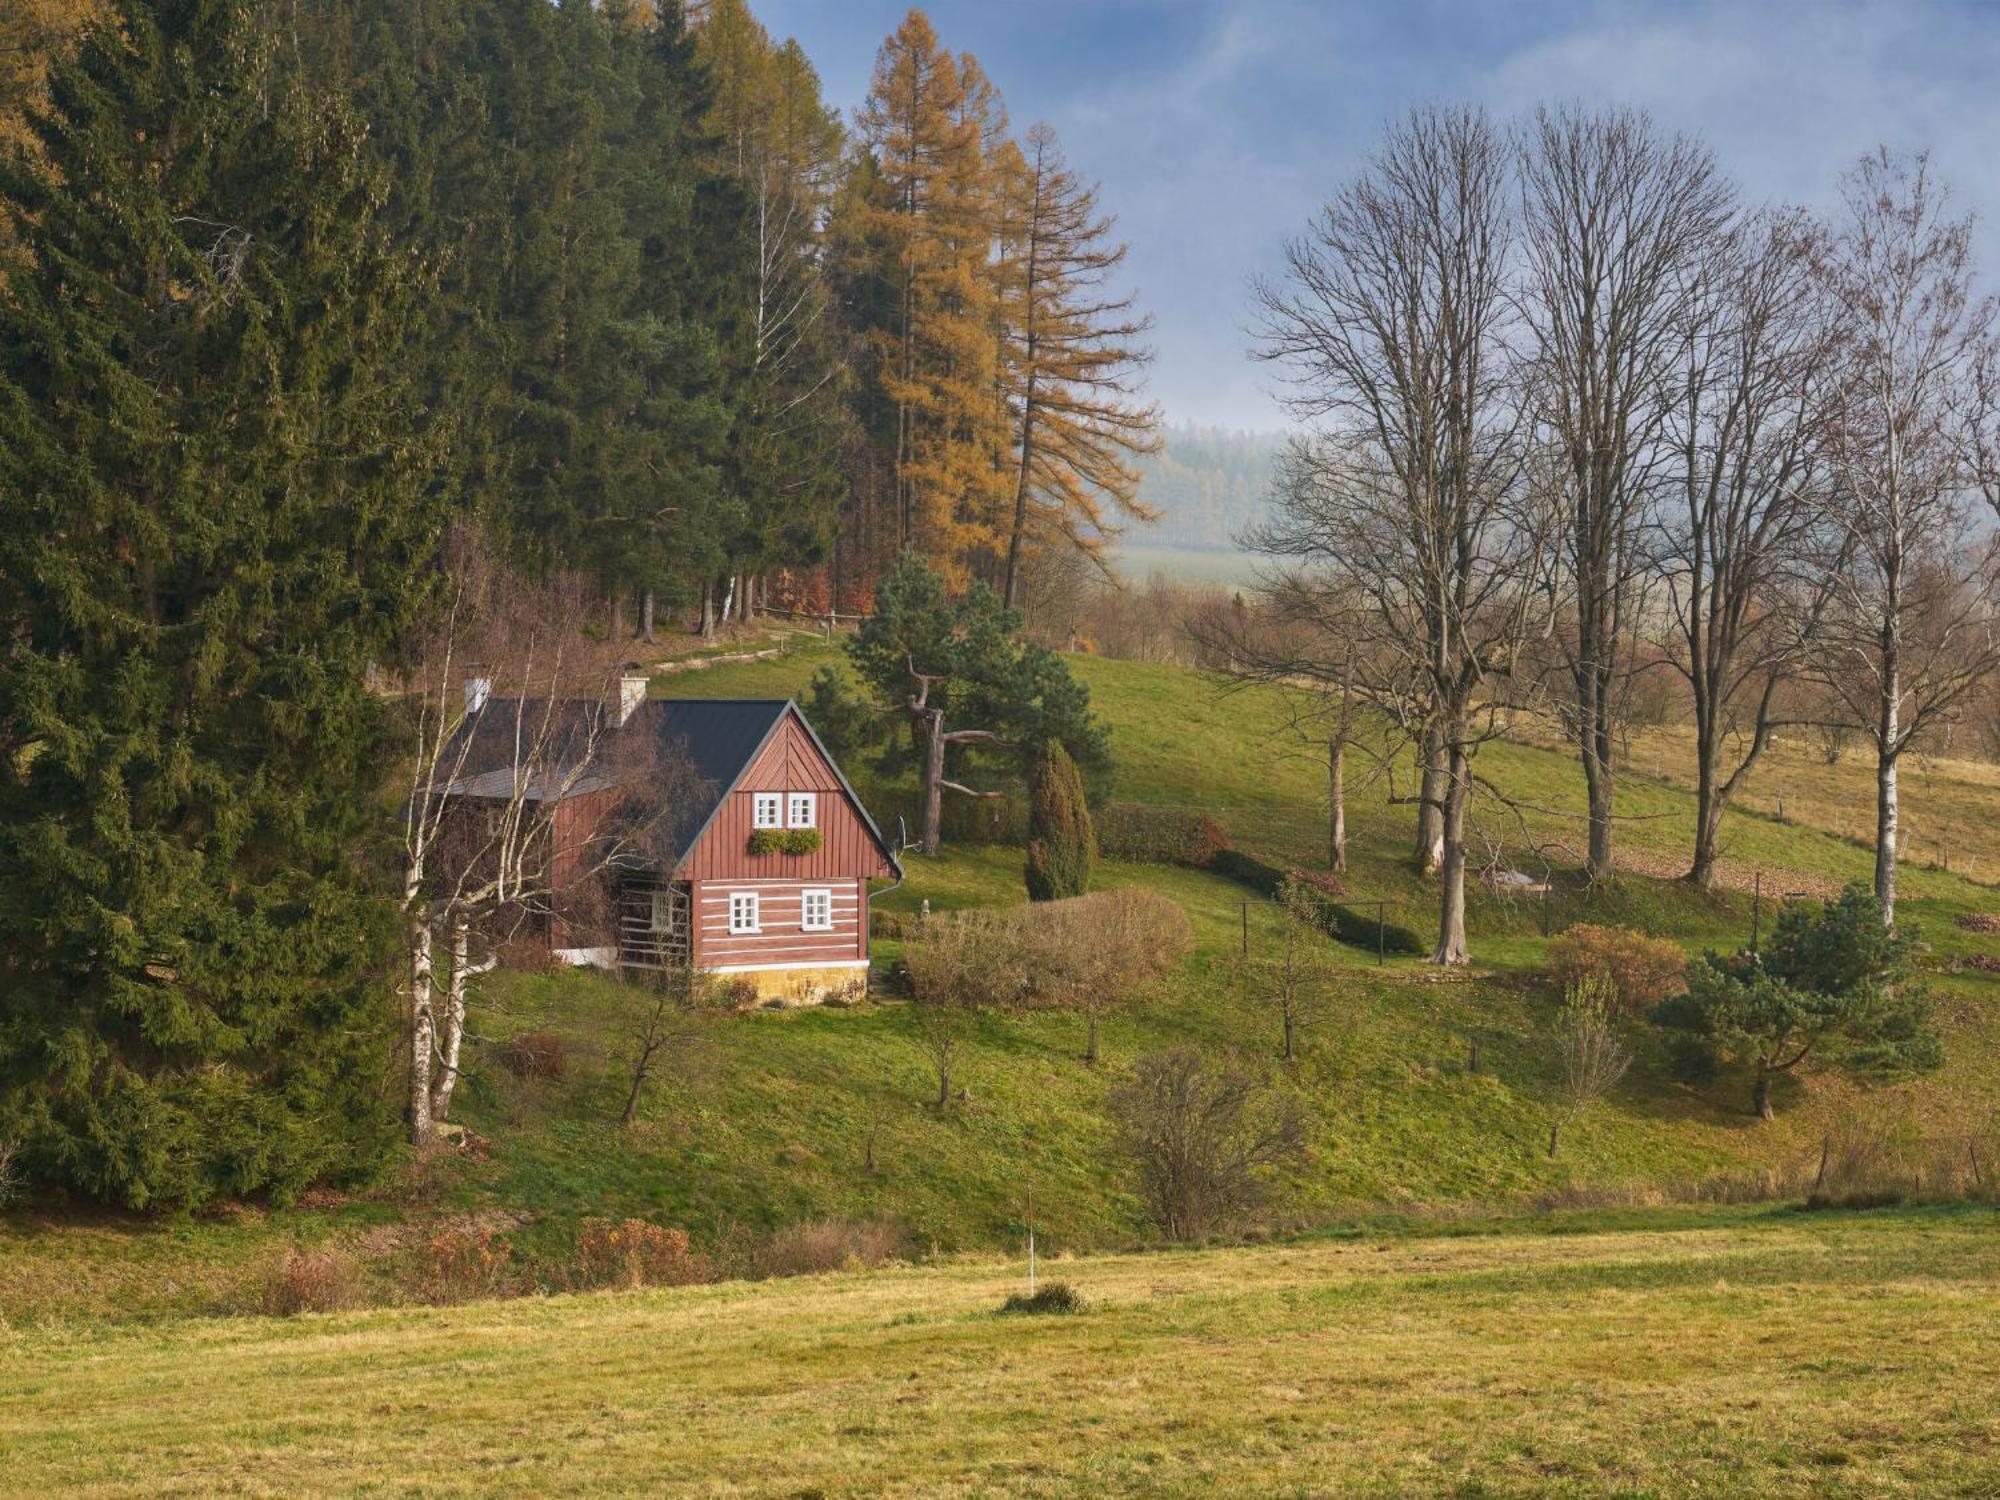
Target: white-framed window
column 803, row 811
column 767, row 810
column 743, row 914
column 816, row 910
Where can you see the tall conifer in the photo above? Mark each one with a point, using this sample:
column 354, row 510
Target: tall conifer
column 215, row 480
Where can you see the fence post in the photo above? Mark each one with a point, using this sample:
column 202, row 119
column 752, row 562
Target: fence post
column 1545, row 908
column 1757, row 911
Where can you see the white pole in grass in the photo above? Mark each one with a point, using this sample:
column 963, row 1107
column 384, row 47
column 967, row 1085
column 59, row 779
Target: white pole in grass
column 1031, row 1239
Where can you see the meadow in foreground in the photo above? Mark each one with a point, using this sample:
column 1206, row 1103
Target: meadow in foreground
column 1740, row 1353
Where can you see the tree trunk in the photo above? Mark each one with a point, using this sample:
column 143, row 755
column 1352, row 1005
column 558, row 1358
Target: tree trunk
column 453, row 1022
column 423, row 1028
column 933, row 780
column 708, row 609
column 1451, row 946
column 1598, row 776
column 1707, row 824
column 1430, row 807
column 1760, row 1094
column 1888, row 758
column 1336, row 775
column 1291, row 1028
column 646, row 618
column 617, row 612
column 1555, row 1131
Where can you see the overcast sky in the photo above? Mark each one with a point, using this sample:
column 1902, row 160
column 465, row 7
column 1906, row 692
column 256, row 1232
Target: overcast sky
column 1216, row 126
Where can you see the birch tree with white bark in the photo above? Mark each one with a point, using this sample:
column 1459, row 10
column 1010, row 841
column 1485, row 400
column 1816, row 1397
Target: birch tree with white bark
column 1910, row 630
column 487, row 852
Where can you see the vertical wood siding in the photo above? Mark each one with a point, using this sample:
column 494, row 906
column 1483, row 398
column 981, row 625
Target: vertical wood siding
column 789, row 763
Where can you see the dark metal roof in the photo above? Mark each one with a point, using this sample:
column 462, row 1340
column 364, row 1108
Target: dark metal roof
column 717, row 738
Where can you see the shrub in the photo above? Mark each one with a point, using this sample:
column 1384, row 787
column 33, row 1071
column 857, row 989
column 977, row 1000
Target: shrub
column 899, row 925
column 1833, row 988
column 540, row 1055
column 1206, row 1135
column 1062, row 845
column 461, row 1262
column 527, row 955
column 634, row 1252
column 13, row 1178
column 1158, row 835
column 827, row 1245
column 802, row 841
column 767, row 841
column 1642, row 970
column 308, row 1281
column 1978, row 921
column 1100, row 948
column 1050, row 1297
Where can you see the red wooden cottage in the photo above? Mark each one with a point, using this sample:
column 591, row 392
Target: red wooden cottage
column 771, row 882
column 761, row 868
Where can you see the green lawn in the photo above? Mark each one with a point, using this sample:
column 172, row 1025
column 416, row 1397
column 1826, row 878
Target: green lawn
column 767, row 1119
column 1767, row 1353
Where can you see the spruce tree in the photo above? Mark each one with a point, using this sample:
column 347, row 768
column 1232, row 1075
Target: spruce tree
column 1062, row 843
column 217, row 491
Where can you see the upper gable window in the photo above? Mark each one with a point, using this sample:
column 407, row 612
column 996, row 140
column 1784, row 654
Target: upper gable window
column 768, row 810
column 804, row 810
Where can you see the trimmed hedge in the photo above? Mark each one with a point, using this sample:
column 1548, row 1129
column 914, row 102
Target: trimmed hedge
column 1158, row 835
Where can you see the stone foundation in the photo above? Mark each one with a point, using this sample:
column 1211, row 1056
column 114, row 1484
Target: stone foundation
column 794, row 987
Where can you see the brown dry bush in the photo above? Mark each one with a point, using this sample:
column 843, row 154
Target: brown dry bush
column 539, row 1055
column 322, row 1279
column 461, row 1263
column 633, row 1253
column 1098, row 949
column 827, row 1245
column 1978, row 921
column 1643, row 970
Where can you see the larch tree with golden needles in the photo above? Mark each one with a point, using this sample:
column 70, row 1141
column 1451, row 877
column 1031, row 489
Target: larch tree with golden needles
column 1069, row 360
column 926, row 125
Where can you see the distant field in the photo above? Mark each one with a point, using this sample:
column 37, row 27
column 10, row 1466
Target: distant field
column 1774, row 1353
column 1138, row 562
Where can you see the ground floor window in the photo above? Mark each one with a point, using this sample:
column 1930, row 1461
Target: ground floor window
column 816, row 911
column 743, row 912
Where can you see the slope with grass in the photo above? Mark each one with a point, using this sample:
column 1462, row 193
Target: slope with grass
column 767, row 1119
column 1767, row 1353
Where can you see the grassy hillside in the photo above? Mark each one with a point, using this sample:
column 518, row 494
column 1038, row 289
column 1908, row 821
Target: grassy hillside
column 1745, row 1354
column 766, row 1119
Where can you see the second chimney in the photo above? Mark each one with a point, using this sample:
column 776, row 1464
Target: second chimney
column 632, row 683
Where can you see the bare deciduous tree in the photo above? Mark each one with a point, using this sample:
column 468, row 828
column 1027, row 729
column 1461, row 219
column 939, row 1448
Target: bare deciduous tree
column 517, row 806
column 1401, row 513
column 1747, row 495
column 1618, row 220
column 1909, row 631
column 1206, row 1135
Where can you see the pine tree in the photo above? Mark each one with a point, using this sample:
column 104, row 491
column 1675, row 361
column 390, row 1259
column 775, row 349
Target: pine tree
column 778, row 144
column 1062, row 843
column 1068, row 358
column 217, row 490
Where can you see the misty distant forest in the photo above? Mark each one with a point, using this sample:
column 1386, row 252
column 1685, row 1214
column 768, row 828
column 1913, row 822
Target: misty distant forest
column 1208, row 483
